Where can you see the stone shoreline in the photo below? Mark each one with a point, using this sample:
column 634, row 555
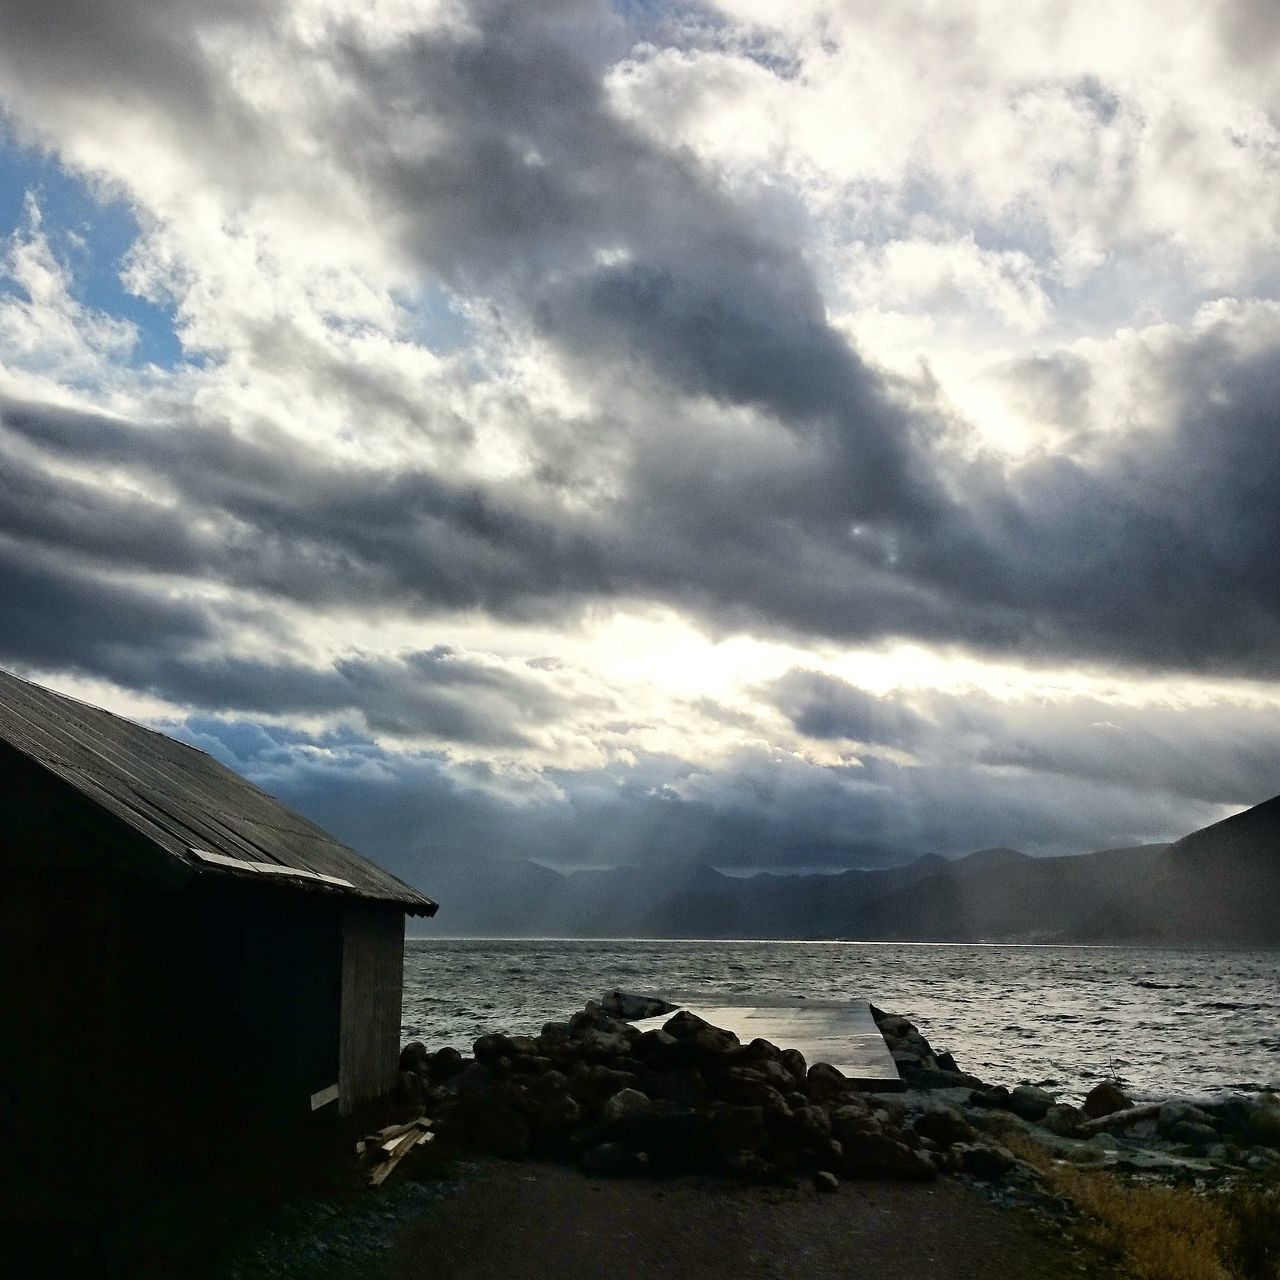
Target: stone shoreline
column 690, row 1098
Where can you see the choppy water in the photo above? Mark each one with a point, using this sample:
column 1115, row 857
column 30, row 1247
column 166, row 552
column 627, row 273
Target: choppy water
column 1170, row 1022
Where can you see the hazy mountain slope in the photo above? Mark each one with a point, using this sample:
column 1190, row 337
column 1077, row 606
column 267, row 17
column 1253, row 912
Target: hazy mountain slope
column 1222, row 883
column 1084, row 898
column 1218, row 885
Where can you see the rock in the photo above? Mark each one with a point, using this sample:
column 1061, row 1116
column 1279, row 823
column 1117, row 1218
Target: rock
column 918, row 1077
column 600, row 1045
column 623, row 1104
column 793, row 1061
column 759, row 1050
column 677, row 1140
column 593, row 1083
column 894, row 1026
column 492, row 1047
column 549, row 1085
column 945, row 1127
column 1255, row 1121
column 445, row 1064
column 752, row 1093
column 851, row 1123
column 473, row 1080
column 609, row 1159
column 593, row 1017
column 1189, row 1134
column 415, row 1057
column 493, row 1125
column 632, row 1007
column 947, row 1063
column 411, row 1088
column 531, row 1065
column 826, row 1082
column 892, row 1110
column 997, row 1096
column 558, row 1116
column 1105, row 1099
column 714, row 1042
column 1030, row 1102
column 876, row 1155
column 774, row 1073
column 825, row 1182
column 983, row 1161
column 1174, row 1115
column 684, row 1025
column 655, row 1046
column 732, row 1130
column 811, row 1123
column 1062, row 1119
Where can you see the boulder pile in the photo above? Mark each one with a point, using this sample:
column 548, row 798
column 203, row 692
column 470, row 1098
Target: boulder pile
column 688, row 1097
column 691, row 1098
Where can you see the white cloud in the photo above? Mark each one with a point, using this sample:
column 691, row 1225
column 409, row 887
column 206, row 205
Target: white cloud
column 1018, row 208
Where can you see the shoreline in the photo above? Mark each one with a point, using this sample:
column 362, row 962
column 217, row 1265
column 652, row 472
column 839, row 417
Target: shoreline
column 560, row 1156
column 1180, row 947
column 1032, row 1014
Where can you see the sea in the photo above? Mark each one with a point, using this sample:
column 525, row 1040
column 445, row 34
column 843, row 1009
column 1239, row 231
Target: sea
column 1167, row 1022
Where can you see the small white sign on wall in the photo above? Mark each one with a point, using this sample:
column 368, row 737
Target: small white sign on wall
column 324, row 1097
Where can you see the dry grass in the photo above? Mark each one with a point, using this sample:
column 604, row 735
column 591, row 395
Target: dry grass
column 1165, row 1233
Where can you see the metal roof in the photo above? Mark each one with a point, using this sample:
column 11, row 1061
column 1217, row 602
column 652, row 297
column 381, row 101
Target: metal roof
column 182, row 801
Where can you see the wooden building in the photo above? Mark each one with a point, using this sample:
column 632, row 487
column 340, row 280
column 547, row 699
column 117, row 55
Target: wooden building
column 195, row 982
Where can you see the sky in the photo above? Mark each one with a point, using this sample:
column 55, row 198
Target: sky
column 772, row 436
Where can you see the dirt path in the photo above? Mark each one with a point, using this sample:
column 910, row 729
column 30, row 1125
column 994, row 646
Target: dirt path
column 526, row 1222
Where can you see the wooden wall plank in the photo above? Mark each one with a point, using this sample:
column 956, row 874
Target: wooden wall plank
column 372, row 980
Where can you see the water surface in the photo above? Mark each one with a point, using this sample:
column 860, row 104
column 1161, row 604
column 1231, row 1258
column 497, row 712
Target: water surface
column 1170, row 1022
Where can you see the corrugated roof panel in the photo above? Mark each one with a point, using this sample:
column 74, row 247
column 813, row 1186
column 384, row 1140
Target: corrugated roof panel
column 180, row 798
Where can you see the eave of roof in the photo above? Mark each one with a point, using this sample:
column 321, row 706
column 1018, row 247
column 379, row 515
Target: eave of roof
column 180, row 800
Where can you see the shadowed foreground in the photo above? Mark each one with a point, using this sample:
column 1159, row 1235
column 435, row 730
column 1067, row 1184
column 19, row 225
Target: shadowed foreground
column 535, row 1220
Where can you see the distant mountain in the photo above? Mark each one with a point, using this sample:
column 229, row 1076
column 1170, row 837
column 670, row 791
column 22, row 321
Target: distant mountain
column 1223, row 882
column 1218, row 885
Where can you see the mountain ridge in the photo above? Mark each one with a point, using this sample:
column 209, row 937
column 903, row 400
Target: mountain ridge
column 1217, row 885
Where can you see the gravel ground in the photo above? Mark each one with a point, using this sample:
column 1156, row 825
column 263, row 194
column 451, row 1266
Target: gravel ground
column 528, row 1221
column 339, row 1238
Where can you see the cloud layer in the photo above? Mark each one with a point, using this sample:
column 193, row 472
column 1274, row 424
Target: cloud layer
column 577, row 405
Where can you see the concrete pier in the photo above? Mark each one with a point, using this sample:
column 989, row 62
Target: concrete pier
column 840, row 1032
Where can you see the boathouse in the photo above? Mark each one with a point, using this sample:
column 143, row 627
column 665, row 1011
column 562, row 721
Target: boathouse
column 196, row 983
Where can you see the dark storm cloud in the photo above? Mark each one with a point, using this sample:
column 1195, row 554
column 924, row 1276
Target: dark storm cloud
column 504, row 170
column 82, row 56
column 290, row 521
column 419, row 812
column 57, row 616
column 822, row 506
column 1159, row 554
column 1220, row 754
column 820, row 706
column 433, row 693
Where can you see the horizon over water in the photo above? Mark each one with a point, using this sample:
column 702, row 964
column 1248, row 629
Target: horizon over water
column 1168, row 1021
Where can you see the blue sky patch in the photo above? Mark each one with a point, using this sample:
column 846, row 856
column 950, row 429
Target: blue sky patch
column 91, row 235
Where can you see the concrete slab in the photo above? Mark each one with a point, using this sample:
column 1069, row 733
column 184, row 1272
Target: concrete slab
column 840, row 1032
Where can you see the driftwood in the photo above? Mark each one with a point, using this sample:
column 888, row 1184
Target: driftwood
column 1119, row 1119
column 385, row 1149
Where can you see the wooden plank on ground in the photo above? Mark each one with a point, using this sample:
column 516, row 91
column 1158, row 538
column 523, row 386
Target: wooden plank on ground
column 381, row 1172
